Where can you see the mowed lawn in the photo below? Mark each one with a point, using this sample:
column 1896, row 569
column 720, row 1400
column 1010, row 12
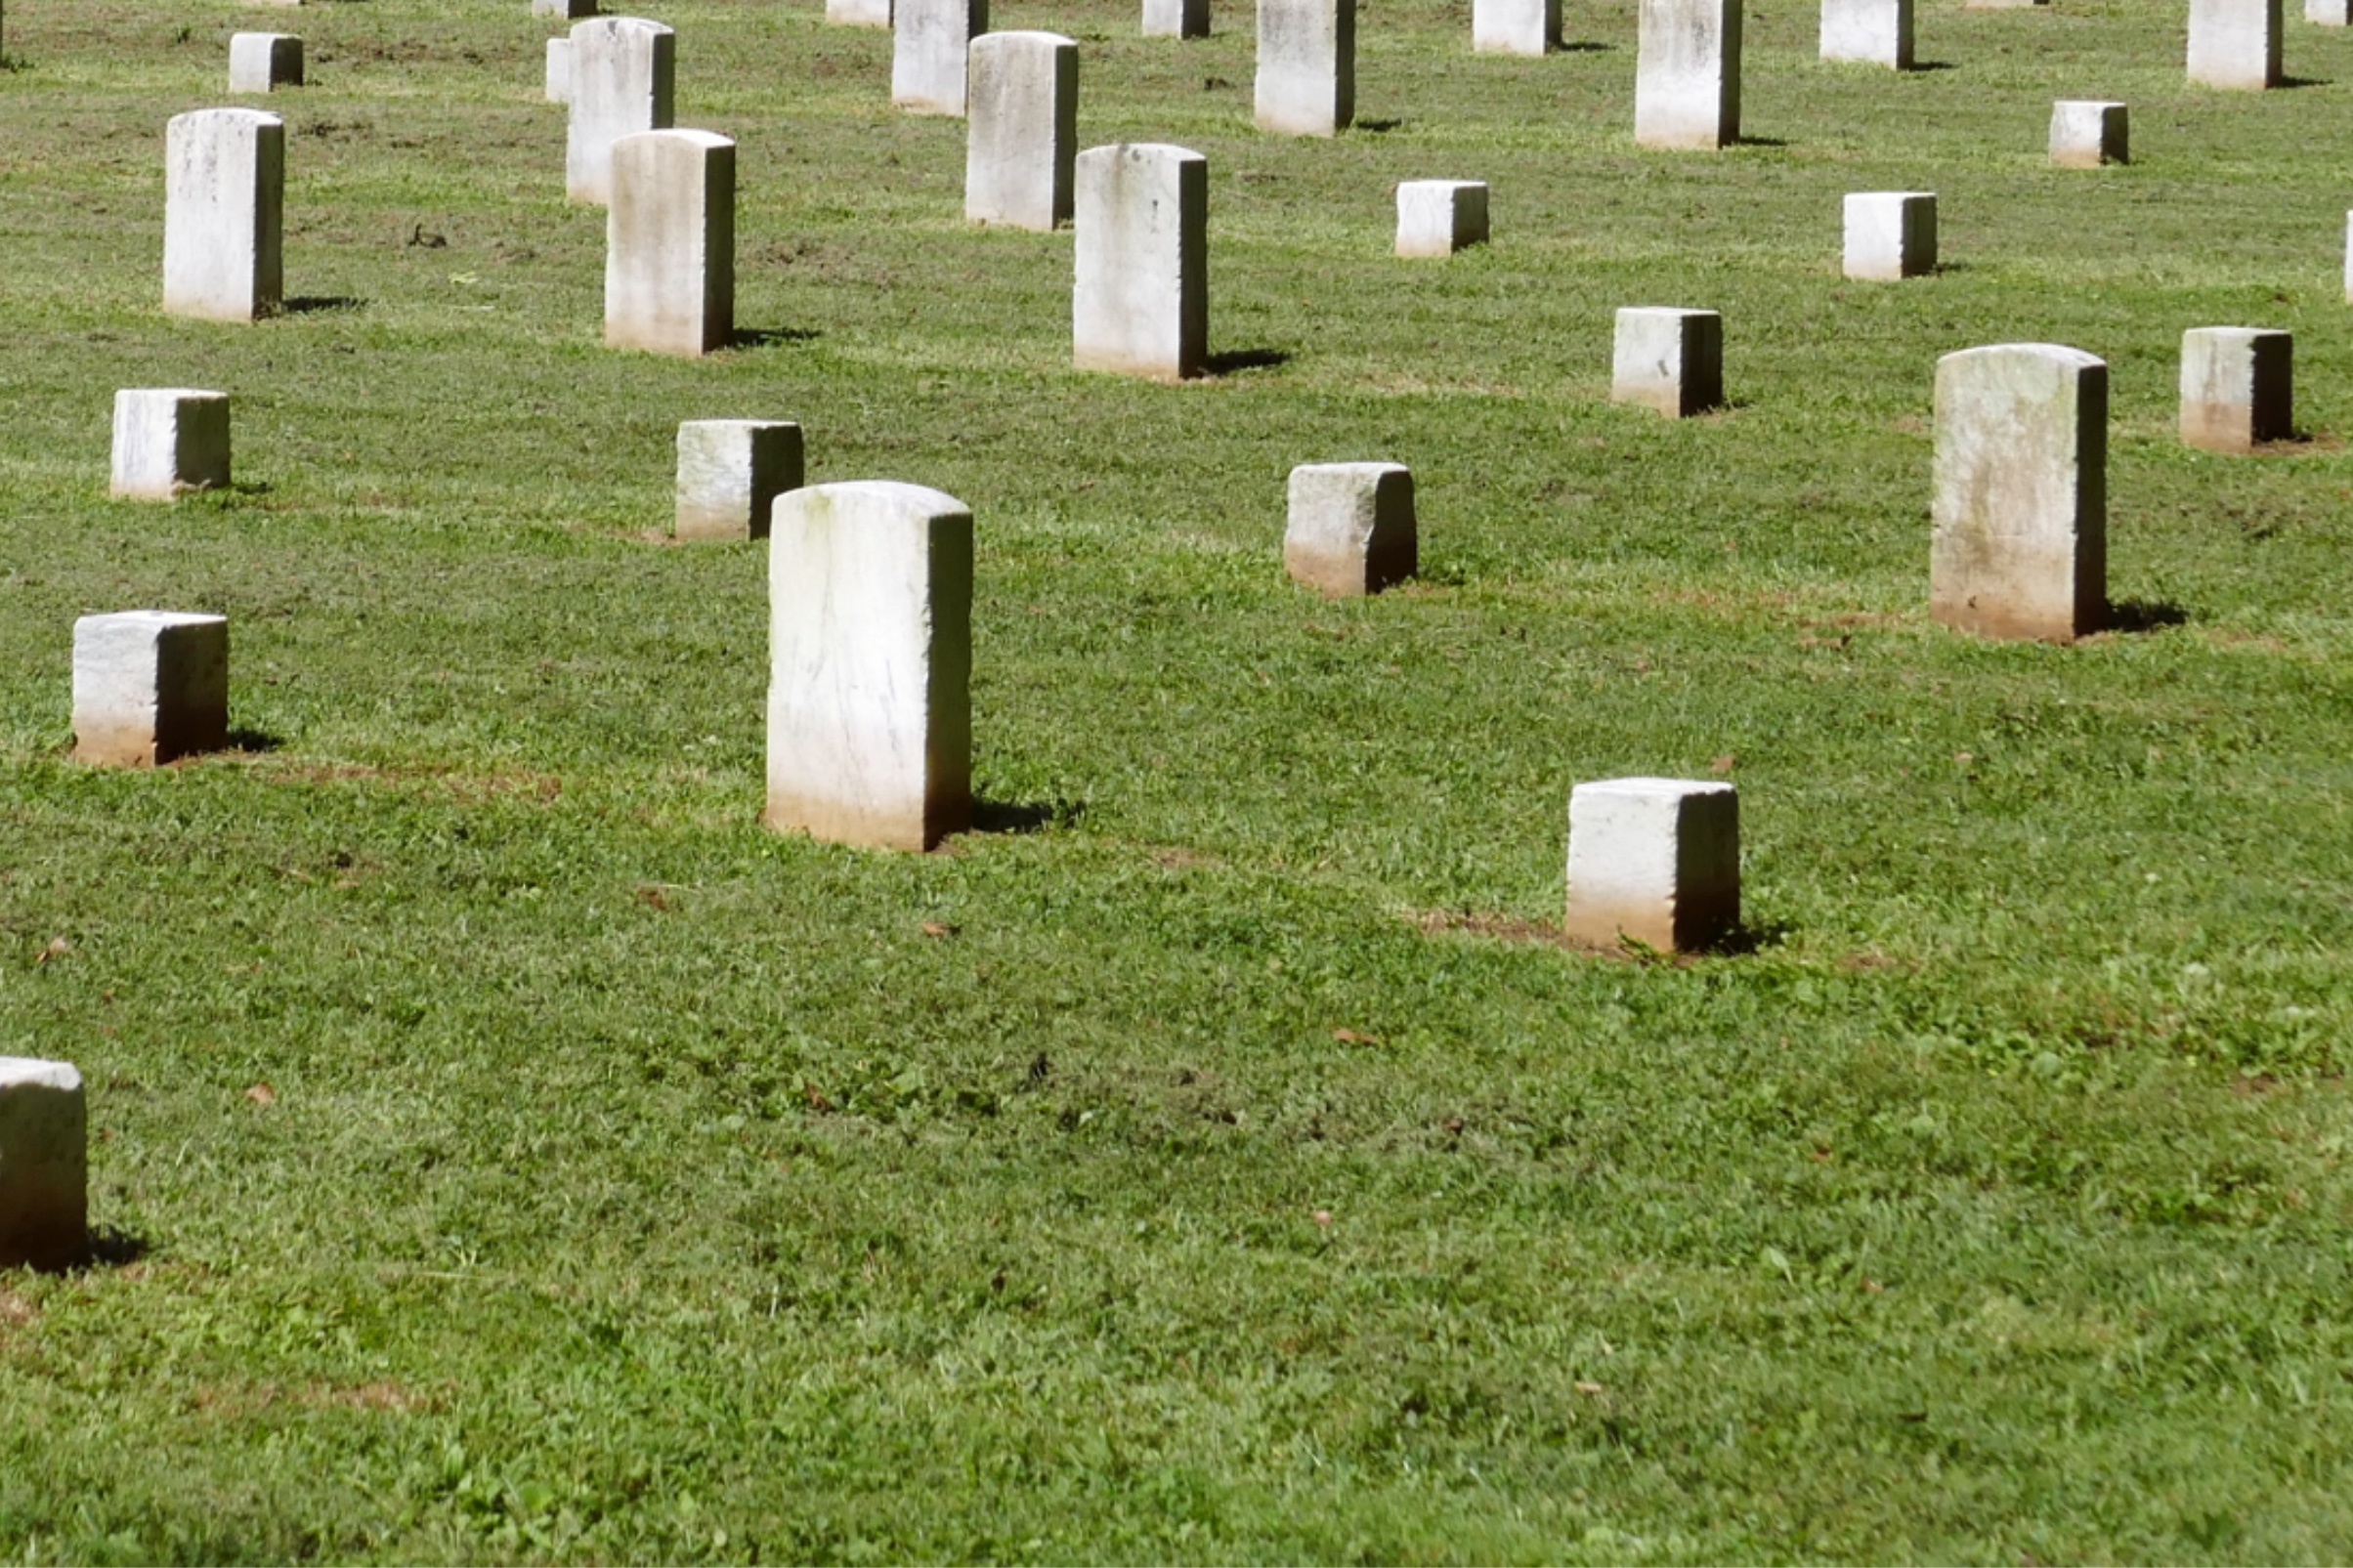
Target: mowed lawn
column 505, row 1148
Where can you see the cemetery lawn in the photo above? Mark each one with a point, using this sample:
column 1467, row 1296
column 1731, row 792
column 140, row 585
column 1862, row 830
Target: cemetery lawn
column 505, row 1148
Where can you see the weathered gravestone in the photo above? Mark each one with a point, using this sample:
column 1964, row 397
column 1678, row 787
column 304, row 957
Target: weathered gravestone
column 1515, row 27
column 2237, row 387
column 1140, row 302
column 730, row 473
column 2328, row 13
column 568, row 10
column 1439, row 217
column 1022, row 132
column 669, row 242
column 2235, row 43
column 1687, row 73
column 1352, row 527
column 930, row 45
column 44, row 1164
column 224, row 214
column 1869, row 32
column 2086, row 133
column 1891, row 234
column 261, row 62
column 148, row 686
column 1176, row 18
column 858, row 12
column 622, row 73
column 1307, row 79
column 169, row 440
column 1668, row 359
column 1655, row 861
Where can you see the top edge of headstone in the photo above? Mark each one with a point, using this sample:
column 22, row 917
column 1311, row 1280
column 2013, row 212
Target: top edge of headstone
column 1012, row 35
column 702, row 139
column 1904, row 195
column 257, row 116
column 169, row 392
column 1444, row 185
column 154, row 618
column 617, row 24
column 2243, row 333
column 1662, row 309
column 1145, row 149
column 1653, row 788
column 1378, row 466
column 2088, row 103
column 897, row 492
column 271, row 36
column 19, row 1071
column 2053, row 353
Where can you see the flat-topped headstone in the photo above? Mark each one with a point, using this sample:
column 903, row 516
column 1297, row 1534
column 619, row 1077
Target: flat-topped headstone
column 1891, row 234
column 559, row 71
column 148, row 686
column 1515, row 27
column 44, row 1164
column 730, row 473
column 930, row 47
column 1306, row 77
column 2235, row 43
column 1139, row 305
column 2086, row 133
column 870, row 709
column 623, row 72
column 1439, row 217
column 568, row 10
column 1352, row 527
column 2329, row 12
column 169, row 440
column 1655, row 861
column 1687, row 73
column 2020, row 514
column 1176, row 18
column 670, row 243
column 1869, row 33
column 260, row 61
column 2237, row 387
column 1668, row 359
column 224, row 214
column 1021, row 144
column 858, row 12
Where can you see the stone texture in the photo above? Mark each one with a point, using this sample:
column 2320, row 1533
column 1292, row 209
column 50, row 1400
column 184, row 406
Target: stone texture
column 1352, row 527
column 622, row 69
column 559, row 71
column 169, row 440
column 1140, row 302
column 1176, row 18
column 148, row 686
column 870, row 713
column 858, row 12
column 2237, row 387
column 44, row 1164
column 1891, row 234
column 1022, row 141
column 2086, row 133
column 2235, row 43
column 932, row 44
column 1871, row 32
column 2020, row 548
column 224, row 214
column 1306, row 80
column 2328, row 13
column 1656, row 861
column 568, row 10
column 1668, row 359
column 670, row 243
column 1439, row 217
column 259, row 62
column 1515, row 27
column 1686, row 74
column 730, row 473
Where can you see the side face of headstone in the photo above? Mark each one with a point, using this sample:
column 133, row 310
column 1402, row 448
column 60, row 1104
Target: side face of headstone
column 2237, row 387
column 1872, row 32
column 1891, row 234
column 1439, row 217
column 1668, row 359
column 568, row 10
column 858, row 12
column 1022, row 142
column 224, row 214
column 148, row 686
column 870, row 714
column 622, row 70
column 44, row 1164
column 1306, row 77
column 559, row 71
column 2235, row 43
column 931, row 40
column 169, row 440
column 2020, row 546
column 259, row 62
column 2086, row 133
column 2328, row 13
column 730, row 473
column 1352, row 527
column 1176, row 18
column 1515, row 27
column 1654, row 860
column 1140, row 302
column 1686, row 74
column 670, row 243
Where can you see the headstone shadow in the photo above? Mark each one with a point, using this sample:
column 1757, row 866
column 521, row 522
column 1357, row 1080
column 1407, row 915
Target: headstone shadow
column 1024, row 815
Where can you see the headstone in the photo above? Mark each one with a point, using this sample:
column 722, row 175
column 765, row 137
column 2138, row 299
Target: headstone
column 259, row 62
column 2235, row 43
column 559, row 71
column 1022, row 138
column 148, row 686
column 870, row 709
column 224, row 214
column 670, row 243
column 730, row 473
column 1176, row 18
column 1871, row 32
column 2328, row 13
column 2020, row 508
column 858, row 12
column 44, row 1164
column 568, row 10
column 2086, row 133
column 622, row 69
column 1655, row 861
column 1352, row 527
column 169, row 440
column 1891, row 234
column 1515, row 27
column 2237, row 387
column 1439, row 217
column 1140, row 302
column 1668, row 359
column 932, row 40
column 1687, row 73
column 1306, row 81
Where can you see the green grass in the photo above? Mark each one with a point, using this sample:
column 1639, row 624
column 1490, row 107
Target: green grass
column 641, row 1185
